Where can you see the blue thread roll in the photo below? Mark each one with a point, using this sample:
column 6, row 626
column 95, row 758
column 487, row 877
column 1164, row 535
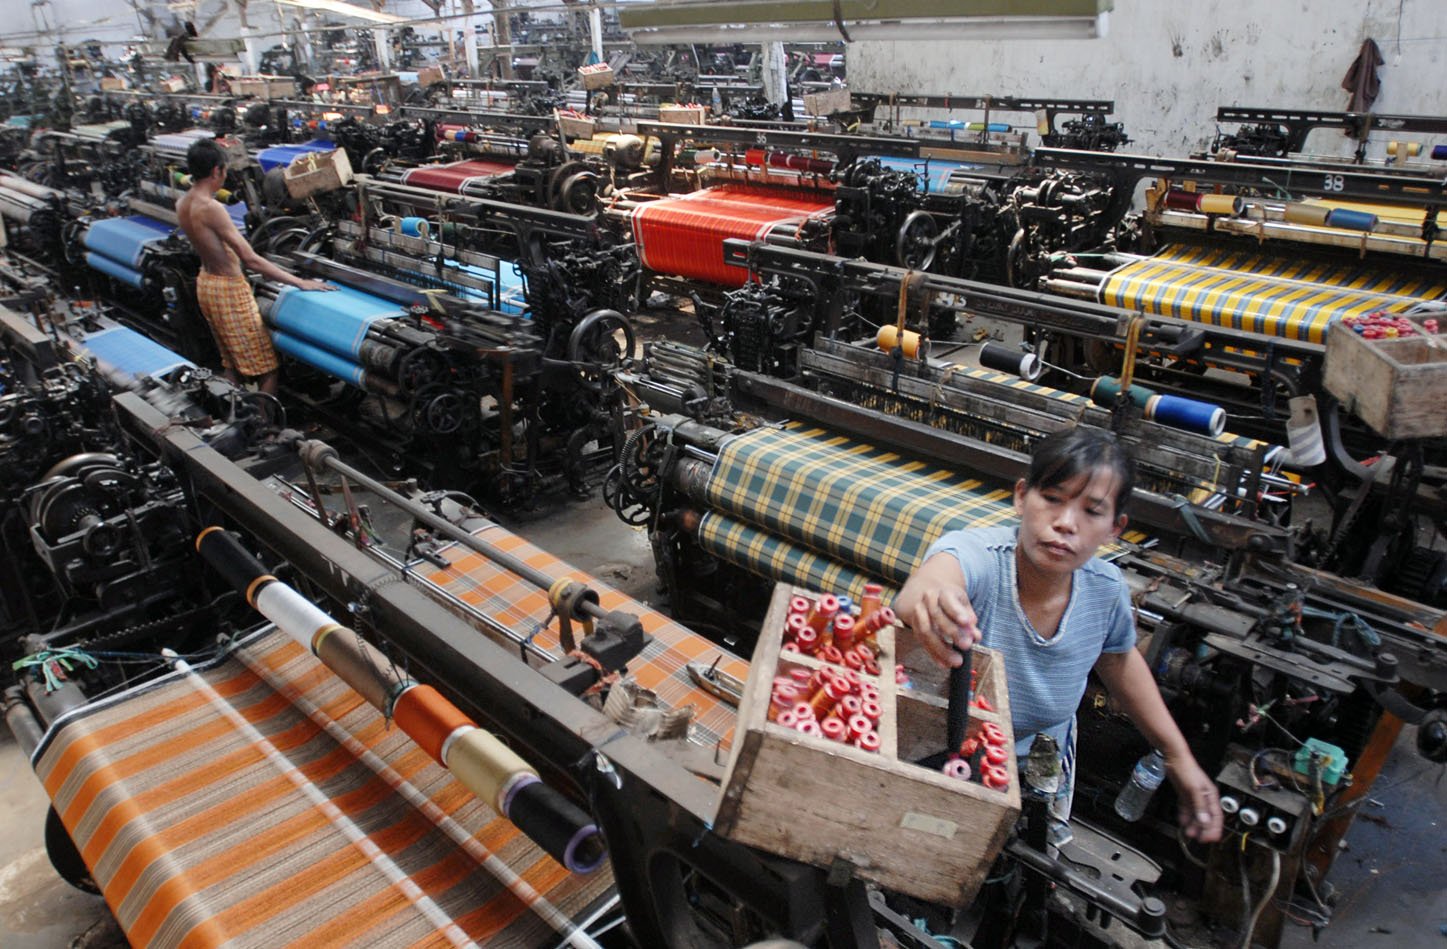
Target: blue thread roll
column 1189, row 414
column 414, row 226
column 113, row 268
column 318, row 358
column 1350, row 220
column 335, row 320
column 1439, row 152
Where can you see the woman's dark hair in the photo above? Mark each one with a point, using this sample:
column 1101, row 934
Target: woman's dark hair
column 203, row 157
column 1062, row 455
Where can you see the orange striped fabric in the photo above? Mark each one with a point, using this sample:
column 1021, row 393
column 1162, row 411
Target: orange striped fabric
column 264, row 803
column 482, row 586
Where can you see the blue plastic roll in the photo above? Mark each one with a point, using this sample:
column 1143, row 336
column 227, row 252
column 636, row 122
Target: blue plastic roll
column 125, row 239
column 318, row 358
column 1350, row 220
column 114, row 268
column 1189, row 414
column 336, row 320
column 946, row 124
column 129, row 351
column 414, row 226
column 1439, row 152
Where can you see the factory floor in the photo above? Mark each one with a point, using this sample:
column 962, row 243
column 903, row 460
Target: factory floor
column 1390, row 881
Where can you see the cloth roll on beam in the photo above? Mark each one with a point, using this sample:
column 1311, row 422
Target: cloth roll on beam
column 127, row 239
column 116, row 269
column 335, row 320
column 481, row 762
column 319, row 358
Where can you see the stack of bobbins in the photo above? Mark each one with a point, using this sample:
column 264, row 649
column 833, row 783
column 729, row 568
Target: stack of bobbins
column 835, row 702
column 984, row 757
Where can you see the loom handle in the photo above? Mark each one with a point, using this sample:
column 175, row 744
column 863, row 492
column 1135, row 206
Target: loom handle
column 958, row 716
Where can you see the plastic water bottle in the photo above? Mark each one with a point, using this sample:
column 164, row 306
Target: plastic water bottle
column 1148, row 774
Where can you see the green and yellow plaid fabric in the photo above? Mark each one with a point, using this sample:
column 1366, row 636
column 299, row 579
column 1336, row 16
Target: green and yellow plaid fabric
column 765, row 555
column 1275, row 296
column 870, row 509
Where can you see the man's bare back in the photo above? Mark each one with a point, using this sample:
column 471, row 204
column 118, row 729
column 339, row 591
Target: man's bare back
column 206, row 222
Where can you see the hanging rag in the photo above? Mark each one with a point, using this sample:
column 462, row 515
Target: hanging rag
column 1361, row 79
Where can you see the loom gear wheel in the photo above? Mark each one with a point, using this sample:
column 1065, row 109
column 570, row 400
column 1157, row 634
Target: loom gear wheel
column 914, row 247
column 601, row 340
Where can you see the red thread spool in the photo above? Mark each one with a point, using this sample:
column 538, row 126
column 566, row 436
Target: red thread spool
column 790, row 647
column 833, row 728
column 864, row 652
column 852, row 660
column 1178, row 200
column 831, row 654
column 808, row 640
column 804, row 712
column 994, row 734
column 825, row 698
column 850, row 705
column 869, row 741
column 872, row 668
column 794, row 623
column 885, row 617
column 799, row 604
column 969, row 746
column 785, row 698
column 788, row 719
column 800, row 677
column 957, row 768
column 810, row 727
column 844, row 632
column 997, row 755
column 869, row 691
column 859, row 725
column 996, row 778
column 824, row 612
column 870, row 709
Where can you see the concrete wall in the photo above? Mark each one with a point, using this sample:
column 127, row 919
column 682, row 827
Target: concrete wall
column 1169, row 64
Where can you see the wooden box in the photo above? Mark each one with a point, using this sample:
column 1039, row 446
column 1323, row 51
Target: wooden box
column 1397, row 386
column 112, row 83
column 682, row 114
column 828, row 102
column 908, row 828
column 316, row 172
column 428, row 75
column 173, row 84
column 266, row 87
column 575, row 125
column 596, row 76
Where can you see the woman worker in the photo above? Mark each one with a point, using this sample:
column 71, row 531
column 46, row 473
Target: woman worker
column 1039, row 596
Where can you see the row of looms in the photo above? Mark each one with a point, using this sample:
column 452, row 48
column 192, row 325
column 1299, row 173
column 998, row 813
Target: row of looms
column 446, row 733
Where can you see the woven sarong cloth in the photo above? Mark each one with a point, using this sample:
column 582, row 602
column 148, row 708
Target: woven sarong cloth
column 483, row 586
column 229, row 306
column 264, row 803
column 1274, row 296
column 454, row 177
column 845, row 502
column 683, row 236
column 872, row 510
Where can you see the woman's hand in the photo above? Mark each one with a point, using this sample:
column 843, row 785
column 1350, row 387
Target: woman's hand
column 1200, row 806
column 934, row 604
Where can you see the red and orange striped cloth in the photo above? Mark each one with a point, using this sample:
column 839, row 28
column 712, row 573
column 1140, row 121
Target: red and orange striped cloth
column 454, row 177
column 262, row 802
column 483, row 586
column 683, row 236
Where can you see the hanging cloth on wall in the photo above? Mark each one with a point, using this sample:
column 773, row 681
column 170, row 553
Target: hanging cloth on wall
column 1361, row 79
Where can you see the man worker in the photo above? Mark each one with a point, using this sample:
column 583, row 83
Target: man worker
column 222, row 290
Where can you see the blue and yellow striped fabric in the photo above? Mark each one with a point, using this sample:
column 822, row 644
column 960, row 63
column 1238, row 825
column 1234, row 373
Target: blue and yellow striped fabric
column 1275, row 296
column 852, row 502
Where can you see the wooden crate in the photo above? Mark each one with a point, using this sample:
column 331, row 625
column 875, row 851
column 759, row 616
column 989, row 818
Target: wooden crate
column 575, row 124
column 828, row 102
column 265, row 87
column 682, row 114
column 428, row 75
column 596, row 76
column 1397, row 386
column 905, row 827
column 315, row 172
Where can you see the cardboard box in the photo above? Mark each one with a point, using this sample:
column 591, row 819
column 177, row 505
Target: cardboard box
column 906, row 827
column 596, row 76
column 316, row 172
column 1397, row 386
column 174, row 84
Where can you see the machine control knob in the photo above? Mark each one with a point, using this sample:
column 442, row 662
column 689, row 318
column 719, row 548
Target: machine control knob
column 1230, row 805
column 1249, row 816
column 1276, row 826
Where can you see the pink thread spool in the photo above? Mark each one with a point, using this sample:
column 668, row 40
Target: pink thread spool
column 833, row 728
column 859, row 725
column 957, row 768
column 792, row 626
column 810, row 727
column 869, row 741
column 850, row 705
